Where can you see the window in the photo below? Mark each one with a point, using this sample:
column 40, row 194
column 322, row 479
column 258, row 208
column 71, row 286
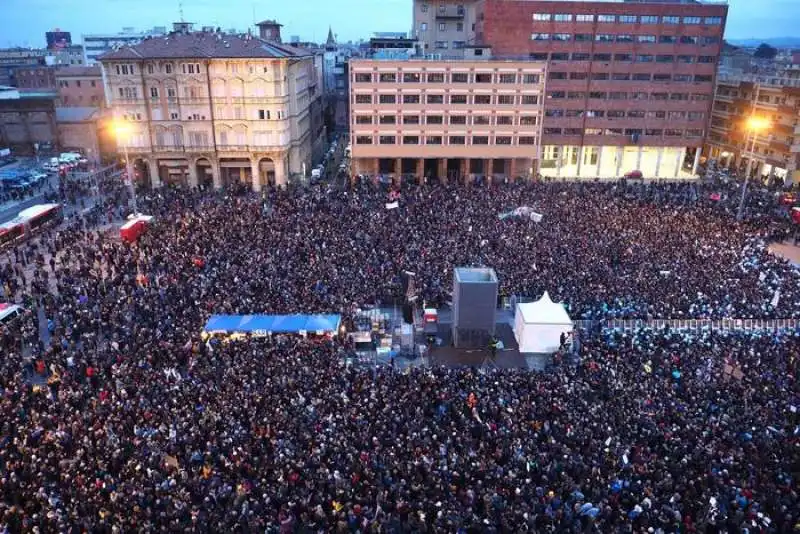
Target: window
column 670, row 132
column 582, row 37
column 644, row 58
column 667, row 39
column 694, row 133
column 702, row 78
column 387, row 140
column 527, row 120
column 411, row 77
column 504, row 120
column 679, row 96
column 434, row 99
column 581, row 56
column 423, row 27
column 562, row 36
column 174, row 116
column 578, row 75
column 562, row 17
column 628, row 19
column 410, row 99
column 604, row 38
column 641, row 77
column 363, row 119
column 648, row 19
column 576, row 95
column 623, row 57
column 481, row 120
column 700, row 97
column 640, row 95
column 363, row 140
column 442, row 26
column 480, row 140
column 387, row 119
column 502, row 140
column 457, row 140
column 440, row 44
column 599, row 76
column 624, row 38
column 150, row 68
column 573, row 113
column 482, row 99
column 584, row 18
column 696, row 115
column 458, row 45
column 662, row 78
column 688, row 39
column 434, row 119
column 542, row 17
column 712, row 21
column 540, row 36
column 388, row 77
column 646, row 38
column 387, row 99
column 559, row 56
column 538, row 56
column 659, row 96
column 154, row 92
column 262, row 115
column 170, row 92
column 363, row 99
column 598, row 95
column 508, row 78
column 168, row 68
column 505, row 100
column 616, row 114
column 682, row 78
column 530, row 100
column 94, row 84
column 633, row 131
column 424, row 8
column 526, row 140
column 654, row 132
column 410, row 139
column 433, row 140
column 665, row 59
column 458, row 119
column 596, row 113
column 602, row 57
column 410, row 119
column 459, row 77
column 554, row 113
column 458, row 99
column 606, row 18
column 617, row 95
column 676, row 115
column 459, row 26
column 622, row 76
column 552, row 131
column 483, row 78
column 685, row 59
column 670, row 20
column 692, row 20
column 709, row 40
column 705, row 59
column 557, row 76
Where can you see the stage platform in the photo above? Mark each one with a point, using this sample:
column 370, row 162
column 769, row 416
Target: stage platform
column 508, row 358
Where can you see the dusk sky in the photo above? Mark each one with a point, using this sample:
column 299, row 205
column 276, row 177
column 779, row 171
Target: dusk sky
column 24, row 21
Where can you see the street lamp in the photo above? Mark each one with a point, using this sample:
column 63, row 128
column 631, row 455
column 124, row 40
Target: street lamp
column 755, row 125
column 123, row 130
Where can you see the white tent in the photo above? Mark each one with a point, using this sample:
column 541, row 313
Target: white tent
column 538, row 325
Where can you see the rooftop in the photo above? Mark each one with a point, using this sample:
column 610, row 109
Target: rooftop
column 204, row 45
column 77, row 71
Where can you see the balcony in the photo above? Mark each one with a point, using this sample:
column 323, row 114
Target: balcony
column 168, row 148
column 198, row 148
column 450, row 12
column 233, row 148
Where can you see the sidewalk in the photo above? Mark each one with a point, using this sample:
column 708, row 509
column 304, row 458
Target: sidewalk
column 787, row 250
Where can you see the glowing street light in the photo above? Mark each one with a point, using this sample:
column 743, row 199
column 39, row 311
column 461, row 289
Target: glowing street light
column 755, row 125
column 123, row 131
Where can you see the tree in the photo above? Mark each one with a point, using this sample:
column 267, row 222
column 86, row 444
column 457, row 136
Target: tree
column 765, row 51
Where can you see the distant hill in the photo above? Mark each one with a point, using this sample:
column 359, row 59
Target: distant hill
column 777, row 42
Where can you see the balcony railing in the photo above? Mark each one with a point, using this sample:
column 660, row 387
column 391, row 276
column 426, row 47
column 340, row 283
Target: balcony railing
column 168, row 148
column 233, row 148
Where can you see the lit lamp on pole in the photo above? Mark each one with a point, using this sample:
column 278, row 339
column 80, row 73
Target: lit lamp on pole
column 754, row 125
column 123, row 130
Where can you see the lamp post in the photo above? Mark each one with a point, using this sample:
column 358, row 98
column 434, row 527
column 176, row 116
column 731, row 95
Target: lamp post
column 754, row 124
column 123, row 130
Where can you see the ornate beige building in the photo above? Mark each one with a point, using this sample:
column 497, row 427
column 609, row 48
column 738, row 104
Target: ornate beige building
column 212, row 108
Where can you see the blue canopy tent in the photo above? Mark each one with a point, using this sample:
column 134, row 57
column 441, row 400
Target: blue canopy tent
column 273, row 324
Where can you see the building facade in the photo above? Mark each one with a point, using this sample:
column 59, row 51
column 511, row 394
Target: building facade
column 36, row 78
column 80, row 86
column 446, row 120
column 95, row 45
column 87, row 129
column 27, row 120
column 213, row 108
column 776, row 151
column 444, row 27
column 630, row 84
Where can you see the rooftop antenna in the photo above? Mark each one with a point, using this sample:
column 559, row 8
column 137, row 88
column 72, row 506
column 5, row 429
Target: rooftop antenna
column 180, row 9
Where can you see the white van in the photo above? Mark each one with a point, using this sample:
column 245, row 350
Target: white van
column 9, row 313
column 69, row 157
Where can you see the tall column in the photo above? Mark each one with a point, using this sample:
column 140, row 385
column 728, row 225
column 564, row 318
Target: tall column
column 639, row 158
column 216, row 176
column 421, row 170
column 696, row 161
column 659, row 155
column 398, row 171
column 620, row 156
column 513, row 172
column 488, row 169
column 580, row 162
column 193, row 182
column 463, row 169
column 679, row 163
column 560, row 156
column 255, row 175
column 376, row 165
column 242, row 175
column 155, row 177
column 280, row 171
column 599, row 161
column 443, row 170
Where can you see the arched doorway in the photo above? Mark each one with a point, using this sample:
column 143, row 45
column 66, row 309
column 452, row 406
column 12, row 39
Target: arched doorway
column 266, row 171
column 205, row 176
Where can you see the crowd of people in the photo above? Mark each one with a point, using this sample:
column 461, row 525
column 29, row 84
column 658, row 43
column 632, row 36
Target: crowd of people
column 117, row 416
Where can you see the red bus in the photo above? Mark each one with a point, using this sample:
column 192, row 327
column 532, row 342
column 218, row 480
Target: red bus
column 28, row 222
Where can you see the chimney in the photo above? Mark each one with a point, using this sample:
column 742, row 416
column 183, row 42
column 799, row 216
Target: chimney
column 270, row 30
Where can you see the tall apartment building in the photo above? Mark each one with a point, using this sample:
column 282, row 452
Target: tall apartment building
column 445, row 119
column 630, row 84
column 95, row 45
column 776, row 152
column 213, row 108
column 444, row 27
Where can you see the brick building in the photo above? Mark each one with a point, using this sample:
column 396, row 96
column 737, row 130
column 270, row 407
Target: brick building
column 445, row 119
column 80, row 86
column 630, row 84
column 27, row 119
column 36, row 78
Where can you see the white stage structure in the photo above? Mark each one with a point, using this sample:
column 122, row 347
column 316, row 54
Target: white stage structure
column 538, row 325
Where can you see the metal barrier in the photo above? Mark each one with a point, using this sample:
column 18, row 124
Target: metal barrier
column 720, row 325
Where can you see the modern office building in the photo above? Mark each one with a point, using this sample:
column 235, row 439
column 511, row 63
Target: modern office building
column 444, row 27
column 213, row 108
column 95, row 45
column 630, row 84
column 445, row 119
column 776, row 151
